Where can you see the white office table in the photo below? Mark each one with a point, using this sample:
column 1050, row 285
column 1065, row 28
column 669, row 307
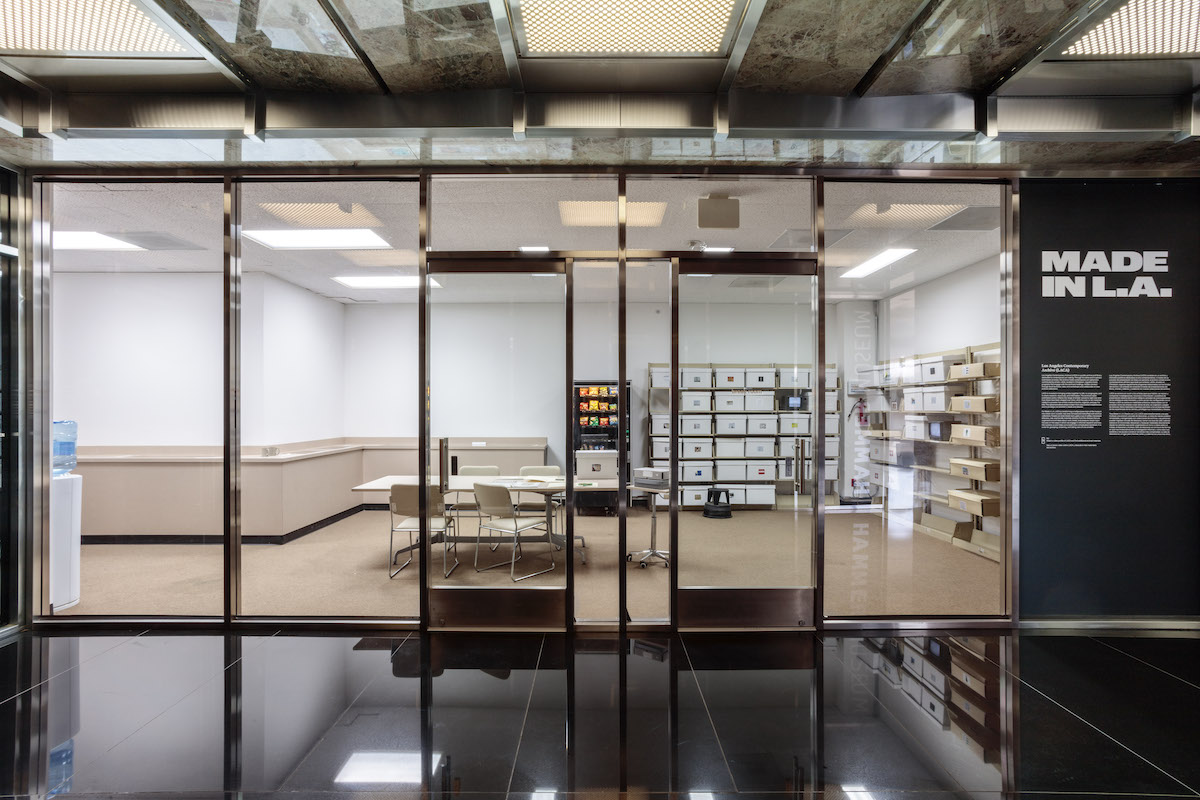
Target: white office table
column 545, row 486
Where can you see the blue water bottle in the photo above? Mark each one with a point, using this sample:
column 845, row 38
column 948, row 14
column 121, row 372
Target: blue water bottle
column 63, row 452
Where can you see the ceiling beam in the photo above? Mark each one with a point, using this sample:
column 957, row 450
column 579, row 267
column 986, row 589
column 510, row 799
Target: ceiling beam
column 889, row 55
column 186, row 24
column 1087, row 119
column 351, row 39
column 508, row 43
column 931, row 117
column 1051, row 45
column 1189, row 123
column 747, row 25
column 501, row 113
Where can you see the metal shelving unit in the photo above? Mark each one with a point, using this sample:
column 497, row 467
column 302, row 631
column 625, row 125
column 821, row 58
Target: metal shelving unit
column 790, row 462
column 974, row 499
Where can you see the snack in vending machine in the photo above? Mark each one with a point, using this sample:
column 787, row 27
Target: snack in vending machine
column 583, row 406
column 583, row 391
column 612, row 421
column 593, row 391
column 604, row 422
column 593, row 405
column 583, row 422
column 595, row 422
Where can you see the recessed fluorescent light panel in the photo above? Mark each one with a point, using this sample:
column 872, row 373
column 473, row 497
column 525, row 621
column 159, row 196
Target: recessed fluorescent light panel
column 709, row 249
column 857, row 793
column 323, row 215
column 319, row 239
column 914, row 216
column 1144, row 28
column 628, row 28
column 876, row 263
column 971, row 218
column 383, row 282
column 82, row 26
column 382, row 258
column 603, row 214
column 383, row 767
column 88, row 240
column 534, row 248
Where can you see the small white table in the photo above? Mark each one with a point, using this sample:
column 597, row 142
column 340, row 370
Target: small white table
column 646, row 556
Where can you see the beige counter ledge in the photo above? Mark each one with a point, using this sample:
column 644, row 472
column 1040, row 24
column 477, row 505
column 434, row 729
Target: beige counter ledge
column 165, row 493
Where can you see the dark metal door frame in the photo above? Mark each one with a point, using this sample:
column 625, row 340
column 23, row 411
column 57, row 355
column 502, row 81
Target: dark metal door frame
column 507, row 608
column 741, row 608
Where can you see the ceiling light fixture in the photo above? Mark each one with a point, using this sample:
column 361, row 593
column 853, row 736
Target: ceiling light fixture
column 383, row 282
column 899, row 215
column 534, row 248
column 323, row 215
column 857, row 793
column 89, row 240
column 82, row 26
column 383, row 767
column 631, row 28
column 603, row 213
column 878, row 262
column 1144, row 28
column 711, row 249
column 319, row 239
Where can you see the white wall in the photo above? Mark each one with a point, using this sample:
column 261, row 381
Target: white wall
column 746, row 333
column 958, row 309
column 497, row 370
column 313, row 368
column 137, row 357
column 380, row 370
column 303, row 345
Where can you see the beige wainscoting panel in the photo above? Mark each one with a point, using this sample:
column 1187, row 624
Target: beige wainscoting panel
column 142, row 498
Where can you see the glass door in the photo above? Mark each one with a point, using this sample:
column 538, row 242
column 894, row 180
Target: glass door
column 499, row 548
column 751, row 425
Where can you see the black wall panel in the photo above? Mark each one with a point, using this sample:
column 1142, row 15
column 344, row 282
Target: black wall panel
column 1110, row 349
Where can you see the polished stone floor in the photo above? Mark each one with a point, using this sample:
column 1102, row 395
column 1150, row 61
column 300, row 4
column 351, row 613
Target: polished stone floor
column 539, row 717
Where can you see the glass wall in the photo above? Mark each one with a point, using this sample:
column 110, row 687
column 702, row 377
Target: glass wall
column 329, row 399
column 913, row 295
column 8, row 397
column 136, row 500
column 648, row 353
column 498, row 389
column 747, row 407
column 331, row 405
column 596, row 446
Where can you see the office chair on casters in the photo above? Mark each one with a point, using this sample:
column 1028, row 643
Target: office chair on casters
column 404, row 508
column 496, row 503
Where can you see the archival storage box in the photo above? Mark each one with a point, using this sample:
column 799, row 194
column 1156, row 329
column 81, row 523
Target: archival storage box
column 975, row 369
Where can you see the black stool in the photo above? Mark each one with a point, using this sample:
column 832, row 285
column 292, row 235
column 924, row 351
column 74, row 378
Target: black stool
column 716, row 508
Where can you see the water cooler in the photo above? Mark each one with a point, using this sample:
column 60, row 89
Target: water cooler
column 66, row 509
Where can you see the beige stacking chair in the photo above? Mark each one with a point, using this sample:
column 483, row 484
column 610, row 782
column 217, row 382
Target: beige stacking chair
column 496, row 504
column 465, row 501
column 405, row 513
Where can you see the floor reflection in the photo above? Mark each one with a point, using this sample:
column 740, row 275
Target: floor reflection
column 537, row 716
